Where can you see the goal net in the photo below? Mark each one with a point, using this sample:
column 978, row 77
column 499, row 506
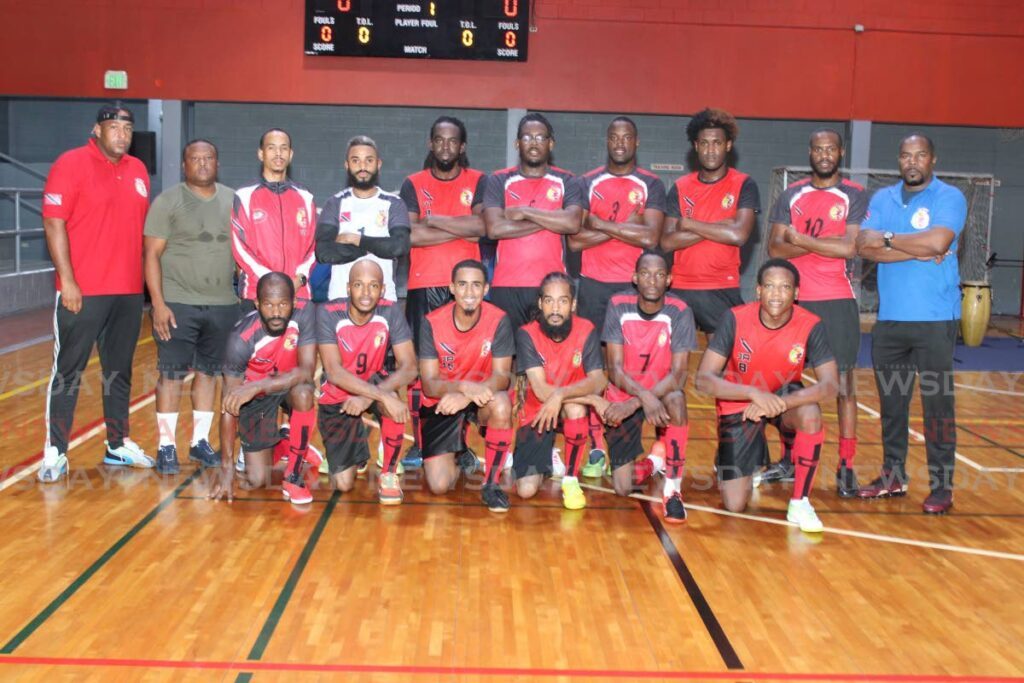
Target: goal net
column 973, row 252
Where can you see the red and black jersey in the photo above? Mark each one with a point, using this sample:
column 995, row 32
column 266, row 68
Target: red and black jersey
column 427, row 195
column 821, row 212
column 616, row 198
column 273, row 228
column 765, row 358
column 254, row 354
column 363, row 347
column 104, row 207
column 648, row 340
column 465, row 355
column 708, row 264
column 565, row 362
column 524, row 261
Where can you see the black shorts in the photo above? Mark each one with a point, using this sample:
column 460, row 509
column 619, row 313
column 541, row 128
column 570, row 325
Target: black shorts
column 533, row 452
column 421, row 301
column 709, row 305
column 625, row 441
column 593, row 298
column 519, row 303
column 257, row 422
column 841, row 319
column 443, row 433
column 742, row 446
column 199, row 340
column 346, row 438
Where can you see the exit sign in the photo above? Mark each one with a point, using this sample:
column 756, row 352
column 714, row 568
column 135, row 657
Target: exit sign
column 115, row 80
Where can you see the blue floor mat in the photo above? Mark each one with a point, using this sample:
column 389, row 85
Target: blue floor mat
column 1004, row 354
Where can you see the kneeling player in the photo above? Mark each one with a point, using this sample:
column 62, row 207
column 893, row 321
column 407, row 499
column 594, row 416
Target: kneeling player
column 649, row 335
column 561, row 356
column 466, row 350
column 270, row 360
column 753, row 367
column 354, row 335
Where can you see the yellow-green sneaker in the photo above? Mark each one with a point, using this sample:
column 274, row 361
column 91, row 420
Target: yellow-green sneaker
column 594, row 467
column 572, row 495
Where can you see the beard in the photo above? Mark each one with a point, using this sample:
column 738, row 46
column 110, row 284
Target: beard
column 445, row 166
column 555, row 332
column 534, row 164
column 360, row 185
column 271, row 331
column 826, row 174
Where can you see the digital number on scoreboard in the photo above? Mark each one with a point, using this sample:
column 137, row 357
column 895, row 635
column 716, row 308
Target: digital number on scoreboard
column 441, row 29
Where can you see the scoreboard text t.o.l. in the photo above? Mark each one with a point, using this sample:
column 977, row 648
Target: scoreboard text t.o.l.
column 424, row 29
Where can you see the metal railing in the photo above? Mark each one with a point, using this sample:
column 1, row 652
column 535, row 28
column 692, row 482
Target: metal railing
column 20, row 198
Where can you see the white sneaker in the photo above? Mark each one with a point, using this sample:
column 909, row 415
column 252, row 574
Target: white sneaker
column 128, row 455
column 755, row 480
column 240, row 460
column 802, row 513
column 53, row 467
column 558, row 468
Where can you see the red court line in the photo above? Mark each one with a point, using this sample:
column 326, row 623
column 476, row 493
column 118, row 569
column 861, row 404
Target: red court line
column 497, row 671
column 8, row 472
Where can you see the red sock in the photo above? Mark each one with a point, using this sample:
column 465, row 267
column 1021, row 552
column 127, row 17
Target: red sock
column 414, row 395
column 806, row 451
column 597, row 432
column 675, row 450
column 299, row 434
column 575, row 433
column 497, row 445
column 642, row 470
column 847, row 450
column 392, row 434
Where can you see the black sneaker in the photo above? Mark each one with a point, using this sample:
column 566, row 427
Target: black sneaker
column 782, row 471
column 167, row 460
column 204, row 454
column 494, row 498
column 468, row 463
column 673, row 510
column 846, row 482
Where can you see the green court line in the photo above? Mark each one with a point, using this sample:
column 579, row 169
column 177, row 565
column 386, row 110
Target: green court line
column 48, row 611
column 293, row 579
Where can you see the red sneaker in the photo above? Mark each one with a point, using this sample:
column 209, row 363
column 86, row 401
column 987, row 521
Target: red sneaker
column 390, row 491
column 296, row 492
column 889, row 485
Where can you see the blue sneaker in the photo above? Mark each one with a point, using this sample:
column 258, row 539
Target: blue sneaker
column 53, row 467
column 413, row 459
column 204, row 454
column 167, row 460
column 127, row 455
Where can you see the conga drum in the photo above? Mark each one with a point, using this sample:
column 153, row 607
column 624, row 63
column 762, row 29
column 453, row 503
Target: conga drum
column 975, row 309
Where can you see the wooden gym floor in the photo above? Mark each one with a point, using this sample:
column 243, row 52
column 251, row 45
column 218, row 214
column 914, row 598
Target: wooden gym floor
column 126, row 575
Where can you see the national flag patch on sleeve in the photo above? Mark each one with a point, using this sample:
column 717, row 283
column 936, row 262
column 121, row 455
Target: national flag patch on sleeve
column 53, row 199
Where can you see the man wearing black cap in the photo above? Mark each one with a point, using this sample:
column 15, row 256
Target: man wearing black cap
column 94, row 206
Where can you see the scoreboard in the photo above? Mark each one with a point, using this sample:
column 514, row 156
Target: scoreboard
column 420, row 29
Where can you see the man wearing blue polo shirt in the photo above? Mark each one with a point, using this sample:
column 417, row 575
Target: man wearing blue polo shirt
column 912, row 231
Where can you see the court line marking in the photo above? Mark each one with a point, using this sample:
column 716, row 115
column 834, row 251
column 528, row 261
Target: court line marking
column 33, row 463
column 690, row 585
column 25, row 344
column 438, row 670
column 1001, row 392
column 82, row 578
column 919, row 437
column 899, row 540
column 43, row 380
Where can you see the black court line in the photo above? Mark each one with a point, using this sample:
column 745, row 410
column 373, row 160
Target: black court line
column 277, row 611
column 66, row 594
column 714, row 629
column 437, row 504
column 995, row 444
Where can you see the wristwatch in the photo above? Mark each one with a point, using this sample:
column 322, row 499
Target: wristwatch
column 887, row 238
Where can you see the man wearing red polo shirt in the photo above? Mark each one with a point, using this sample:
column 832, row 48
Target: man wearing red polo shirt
column 94, row 206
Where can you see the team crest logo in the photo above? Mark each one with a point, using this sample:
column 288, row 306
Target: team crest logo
column 259, row 214
column 302, row 219
column 140, row 187
column 662, row 338
column 466, row 197
column 837, row 212
column 634, row 196
column 920, row 220
column 796, row 354
column 577, row 359
column 382, row 218
column 378, row 340
column 485, row 348
column 554, row 194
column 291, row 341
column 728, row 200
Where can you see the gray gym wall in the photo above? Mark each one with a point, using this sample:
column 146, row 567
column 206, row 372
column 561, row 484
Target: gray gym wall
column 38, row 130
